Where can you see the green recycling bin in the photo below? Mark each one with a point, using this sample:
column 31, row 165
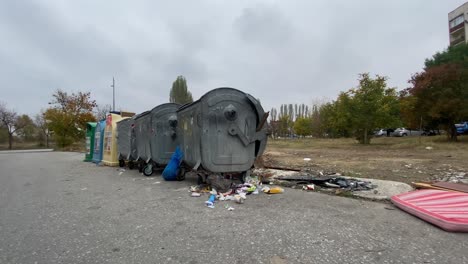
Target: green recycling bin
column 90, row 129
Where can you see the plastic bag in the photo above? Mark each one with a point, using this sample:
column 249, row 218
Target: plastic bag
column 172, row 168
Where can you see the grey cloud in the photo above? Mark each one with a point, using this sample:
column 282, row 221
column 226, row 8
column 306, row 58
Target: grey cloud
column 282, row 52
column 264, row 24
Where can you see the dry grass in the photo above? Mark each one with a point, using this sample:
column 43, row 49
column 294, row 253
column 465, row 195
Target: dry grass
column 391, row 158
column 23, row 145
column 380, row 143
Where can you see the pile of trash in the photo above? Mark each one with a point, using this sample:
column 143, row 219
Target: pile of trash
column 221, row 189
column 329, row 181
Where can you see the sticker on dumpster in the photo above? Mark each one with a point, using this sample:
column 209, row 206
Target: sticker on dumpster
column 107, row 139
column 97, row 141
column 88, row 144
column 109, row 120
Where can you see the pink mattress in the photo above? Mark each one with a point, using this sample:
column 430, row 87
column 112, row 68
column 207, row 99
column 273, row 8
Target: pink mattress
column 445, row 209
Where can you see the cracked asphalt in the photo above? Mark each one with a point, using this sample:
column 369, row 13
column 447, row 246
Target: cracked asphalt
column 54, row 208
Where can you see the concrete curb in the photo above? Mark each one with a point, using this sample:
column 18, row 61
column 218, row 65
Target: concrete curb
column 25, row 151
column 383, row 192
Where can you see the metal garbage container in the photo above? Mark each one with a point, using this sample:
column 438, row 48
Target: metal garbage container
column 126, row 142
column 142, row 138
column 98, row 140
column 90, row 129
column 222, row 132
column 163, row 138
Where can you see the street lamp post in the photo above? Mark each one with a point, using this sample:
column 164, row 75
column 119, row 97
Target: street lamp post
column 113, row 94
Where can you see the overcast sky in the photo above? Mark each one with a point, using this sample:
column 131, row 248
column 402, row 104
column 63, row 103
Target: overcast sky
column 278, row 51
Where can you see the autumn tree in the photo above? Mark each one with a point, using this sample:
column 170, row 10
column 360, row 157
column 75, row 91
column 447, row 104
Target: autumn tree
column 363, row 109
column 303, row 126
column 439, row 94
column 179, row 93
column 68, row 115
column 29, row 130
column 10, row 121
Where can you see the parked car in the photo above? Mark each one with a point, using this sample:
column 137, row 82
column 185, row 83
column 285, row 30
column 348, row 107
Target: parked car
column 430, row 132
column 380, row 132
column 401, row 132
column 462, row 128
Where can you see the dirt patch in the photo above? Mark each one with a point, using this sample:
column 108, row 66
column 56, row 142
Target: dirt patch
column 397, row 159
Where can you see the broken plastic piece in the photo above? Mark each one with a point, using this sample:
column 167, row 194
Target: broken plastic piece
column 273, row 190
column 211, row 200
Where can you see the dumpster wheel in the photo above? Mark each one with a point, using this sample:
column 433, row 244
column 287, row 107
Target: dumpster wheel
column 131, row 165
column 121, row 163
column 148, row 169
column 180, row 174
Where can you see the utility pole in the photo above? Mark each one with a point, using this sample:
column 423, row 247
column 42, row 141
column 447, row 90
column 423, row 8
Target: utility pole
column 113, row 93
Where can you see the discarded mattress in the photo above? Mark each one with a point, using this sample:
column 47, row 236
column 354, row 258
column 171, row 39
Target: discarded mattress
column 447, row 210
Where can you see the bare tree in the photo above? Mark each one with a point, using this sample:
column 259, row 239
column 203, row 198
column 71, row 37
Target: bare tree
column 101, row 111
column 9, row 120
column 41, row 124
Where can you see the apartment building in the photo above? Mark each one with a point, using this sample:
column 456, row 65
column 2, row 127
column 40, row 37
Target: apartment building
column 458, row 29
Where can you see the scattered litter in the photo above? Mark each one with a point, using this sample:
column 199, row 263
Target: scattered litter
column 121, row 170
column 211, row 201
column 231, row 208
column 273, row 190
column 253, row 180
column 429, row 148
column 156, row 182
column 308, row 187
column 331, row 185
column 240, row 198
column 332, row 182
column 307, row 159
column 195, row 194
column 219, row 182
column 120, row 173
column 84, row 189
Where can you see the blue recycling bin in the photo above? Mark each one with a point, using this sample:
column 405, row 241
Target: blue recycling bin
column 98, row 141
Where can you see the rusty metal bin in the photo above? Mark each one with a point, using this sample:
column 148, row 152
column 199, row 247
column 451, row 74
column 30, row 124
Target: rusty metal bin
column 143, row 137
column 126, row 142
column 163, row 136
column 164, row 129
column 222, row 132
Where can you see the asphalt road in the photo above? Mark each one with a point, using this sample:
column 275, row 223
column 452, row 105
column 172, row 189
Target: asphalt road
column 54, row 208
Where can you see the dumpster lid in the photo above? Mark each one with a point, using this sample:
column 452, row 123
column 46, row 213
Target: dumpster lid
column 142, row 114
column 163, row 105
column 91, row 124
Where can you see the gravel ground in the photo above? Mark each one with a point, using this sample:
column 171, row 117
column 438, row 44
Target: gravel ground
column 54, row 208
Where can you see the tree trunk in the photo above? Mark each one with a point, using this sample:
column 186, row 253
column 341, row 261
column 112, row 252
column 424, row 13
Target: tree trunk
column 10, row 141
column 365, row 136
column 453, row 132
